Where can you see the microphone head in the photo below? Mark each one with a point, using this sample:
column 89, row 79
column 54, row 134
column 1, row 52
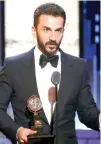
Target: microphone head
column 55, row 78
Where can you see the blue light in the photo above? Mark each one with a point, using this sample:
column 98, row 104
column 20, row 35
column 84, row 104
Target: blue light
column 97, row 39
column 84, row 11
column 84, row 1
column 97, row 17
column 97, row 28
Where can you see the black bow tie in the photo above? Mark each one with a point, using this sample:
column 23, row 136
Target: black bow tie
column 44, row 59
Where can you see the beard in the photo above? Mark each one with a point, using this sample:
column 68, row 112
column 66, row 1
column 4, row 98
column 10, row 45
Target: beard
column 49, row 48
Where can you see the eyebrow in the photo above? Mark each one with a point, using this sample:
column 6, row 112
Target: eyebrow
column 50, row 28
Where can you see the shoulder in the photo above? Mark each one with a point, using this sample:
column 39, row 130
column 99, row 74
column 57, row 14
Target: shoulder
column 73, row 59
column 17, row 62
column 18, row 58
column 79, row 65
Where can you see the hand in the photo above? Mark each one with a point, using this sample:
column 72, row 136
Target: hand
column 22, row 134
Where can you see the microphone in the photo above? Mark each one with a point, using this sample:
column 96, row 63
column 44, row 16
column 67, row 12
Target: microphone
column 52, row 99
column 55, row 79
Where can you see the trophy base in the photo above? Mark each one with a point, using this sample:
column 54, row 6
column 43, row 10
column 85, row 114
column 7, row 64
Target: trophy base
column 40, row 138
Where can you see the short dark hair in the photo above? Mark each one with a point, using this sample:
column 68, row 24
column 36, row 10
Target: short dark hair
column 48, row 9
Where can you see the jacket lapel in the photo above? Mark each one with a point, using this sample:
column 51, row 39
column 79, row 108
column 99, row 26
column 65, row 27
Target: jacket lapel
column 32, row 86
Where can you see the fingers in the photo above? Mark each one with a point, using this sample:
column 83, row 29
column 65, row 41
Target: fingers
column 22, row 142
column 32, row 131
column 22, row 134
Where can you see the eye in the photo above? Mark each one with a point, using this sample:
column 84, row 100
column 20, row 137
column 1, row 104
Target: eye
column 46, row 29
column 59, row 30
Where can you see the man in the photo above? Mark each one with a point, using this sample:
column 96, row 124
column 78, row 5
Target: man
column 22, row 75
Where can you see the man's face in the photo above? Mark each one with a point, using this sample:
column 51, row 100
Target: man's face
column 49, row 33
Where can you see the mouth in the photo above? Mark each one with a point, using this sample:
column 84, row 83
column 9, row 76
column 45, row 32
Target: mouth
column 52, row 46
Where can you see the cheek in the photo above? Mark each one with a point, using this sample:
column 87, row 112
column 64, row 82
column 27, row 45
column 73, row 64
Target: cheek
column 44, row 38
column 59, row 38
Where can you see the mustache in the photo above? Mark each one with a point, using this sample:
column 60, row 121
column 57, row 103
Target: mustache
column 51, row 43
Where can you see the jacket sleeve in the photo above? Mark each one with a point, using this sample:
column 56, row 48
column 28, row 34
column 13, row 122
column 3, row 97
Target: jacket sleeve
column 7, row 125
column 87, row 109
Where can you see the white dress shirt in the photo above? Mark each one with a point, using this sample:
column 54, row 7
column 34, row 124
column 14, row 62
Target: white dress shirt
column 43, row 79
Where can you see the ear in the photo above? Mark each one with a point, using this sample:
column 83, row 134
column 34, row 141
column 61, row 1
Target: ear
column 33, row 31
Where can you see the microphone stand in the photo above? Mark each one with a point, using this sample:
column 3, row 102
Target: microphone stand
column 55, row 78
column 52, row 118
column 52, row 102
column 56, row 114
column 52, row 99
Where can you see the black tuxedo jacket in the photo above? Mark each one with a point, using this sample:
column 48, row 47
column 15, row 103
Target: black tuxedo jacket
column 18, row 83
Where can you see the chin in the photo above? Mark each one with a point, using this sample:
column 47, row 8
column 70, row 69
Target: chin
column 51, row 54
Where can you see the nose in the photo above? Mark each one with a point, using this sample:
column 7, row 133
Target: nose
column 52, row 36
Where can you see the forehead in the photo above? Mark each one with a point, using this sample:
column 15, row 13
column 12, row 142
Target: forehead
column 51, row 21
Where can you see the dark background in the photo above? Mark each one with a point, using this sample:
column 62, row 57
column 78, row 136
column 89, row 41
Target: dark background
column 2, row 33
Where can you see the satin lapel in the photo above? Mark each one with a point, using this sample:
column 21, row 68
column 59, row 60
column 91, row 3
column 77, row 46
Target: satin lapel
column 32, row 84
column 66, row 71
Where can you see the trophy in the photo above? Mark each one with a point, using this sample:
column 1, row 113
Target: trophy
column 34, row 106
